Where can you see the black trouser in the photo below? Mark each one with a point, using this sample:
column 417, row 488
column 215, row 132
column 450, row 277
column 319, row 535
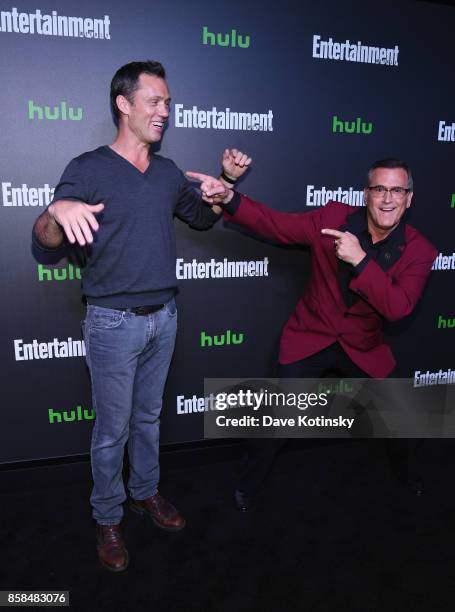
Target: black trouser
column 260, row 453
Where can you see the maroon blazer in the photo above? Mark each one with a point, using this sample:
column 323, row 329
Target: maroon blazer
column 321, row 316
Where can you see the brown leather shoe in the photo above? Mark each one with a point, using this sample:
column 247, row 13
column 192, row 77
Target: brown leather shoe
column 111, row 548
column 163, row 513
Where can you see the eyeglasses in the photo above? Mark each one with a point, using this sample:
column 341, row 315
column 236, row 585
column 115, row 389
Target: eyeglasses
column 395, row 192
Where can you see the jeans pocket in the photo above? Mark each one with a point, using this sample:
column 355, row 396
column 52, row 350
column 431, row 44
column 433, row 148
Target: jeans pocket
column 171, row 308
column 103, row 318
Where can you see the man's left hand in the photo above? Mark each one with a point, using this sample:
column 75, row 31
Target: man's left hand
column 235, row 163
column 347, row 246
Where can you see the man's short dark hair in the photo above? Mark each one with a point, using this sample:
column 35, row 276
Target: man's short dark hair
column 391, row 162
column 126, row 81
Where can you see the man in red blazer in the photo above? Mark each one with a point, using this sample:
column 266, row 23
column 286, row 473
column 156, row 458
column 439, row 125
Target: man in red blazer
column 367, row 266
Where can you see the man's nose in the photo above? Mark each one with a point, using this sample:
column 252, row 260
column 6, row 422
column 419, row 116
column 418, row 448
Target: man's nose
column 388, row 195
column 164, row 110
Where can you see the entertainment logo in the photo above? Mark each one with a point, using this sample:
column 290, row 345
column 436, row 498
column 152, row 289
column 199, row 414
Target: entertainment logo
column 446, row 132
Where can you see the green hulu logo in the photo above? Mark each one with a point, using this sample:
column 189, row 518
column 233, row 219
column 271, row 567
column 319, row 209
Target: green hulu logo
column 335, row 387
column 351, row 127
column 62, row 112
column 58, row 274
column 221, row 340
column 446, row 323
column 231, row 39
column 70, row 416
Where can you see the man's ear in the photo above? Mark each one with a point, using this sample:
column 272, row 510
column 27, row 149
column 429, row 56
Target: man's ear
column 122, row 104
column 408, row 203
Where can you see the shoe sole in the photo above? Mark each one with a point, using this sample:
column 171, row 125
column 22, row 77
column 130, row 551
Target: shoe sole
column 142, row 512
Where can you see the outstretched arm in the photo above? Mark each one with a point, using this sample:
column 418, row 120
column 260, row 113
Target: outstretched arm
column 74, row 219
column 287, row 228
column 69, row 215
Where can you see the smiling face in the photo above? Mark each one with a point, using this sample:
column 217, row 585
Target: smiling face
column 145, row 116
column 384, row 211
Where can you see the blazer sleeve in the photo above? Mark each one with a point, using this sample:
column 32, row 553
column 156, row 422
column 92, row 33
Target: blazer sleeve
column 395, row 296
column 283, row 227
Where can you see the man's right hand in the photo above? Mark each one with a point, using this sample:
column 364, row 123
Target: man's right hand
column 77, row 219
column 213, row 191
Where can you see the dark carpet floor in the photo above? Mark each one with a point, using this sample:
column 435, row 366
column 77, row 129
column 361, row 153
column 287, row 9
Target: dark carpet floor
column 333, row 529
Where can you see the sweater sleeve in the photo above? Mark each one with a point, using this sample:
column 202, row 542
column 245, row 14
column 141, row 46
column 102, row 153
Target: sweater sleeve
column 72, row 185
column 191, row 208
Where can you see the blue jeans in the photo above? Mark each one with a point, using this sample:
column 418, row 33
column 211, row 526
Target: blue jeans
column 128, row 357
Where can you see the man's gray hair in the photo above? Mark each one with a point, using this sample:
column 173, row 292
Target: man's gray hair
column 391, row 162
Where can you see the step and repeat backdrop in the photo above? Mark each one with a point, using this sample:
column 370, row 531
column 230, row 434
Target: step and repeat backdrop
column 314, row 92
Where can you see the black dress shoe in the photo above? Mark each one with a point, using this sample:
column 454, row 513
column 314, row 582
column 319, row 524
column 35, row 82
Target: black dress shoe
column 242, row 500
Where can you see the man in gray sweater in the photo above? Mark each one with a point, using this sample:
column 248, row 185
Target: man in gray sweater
column 118, row 202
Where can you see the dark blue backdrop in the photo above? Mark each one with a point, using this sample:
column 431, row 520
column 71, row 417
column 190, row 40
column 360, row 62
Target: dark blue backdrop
column 273, row 69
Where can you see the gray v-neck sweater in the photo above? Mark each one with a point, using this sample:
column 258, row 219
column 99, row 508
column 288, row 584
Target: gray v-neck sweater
column 132, row 259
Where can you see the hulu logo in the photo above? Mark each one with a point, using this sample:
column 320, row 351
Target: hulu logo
column 225, row 40
column 351, row 127
column 443, row 323
column 336, row 387
column 58, row 274
column 69, row 416
column 222, row 340
column 62, row 112
column 453, row 201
